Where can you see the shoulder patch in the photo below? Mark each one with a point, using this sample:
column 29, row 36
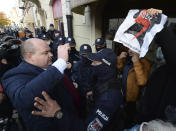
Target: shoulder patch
column 95, row 125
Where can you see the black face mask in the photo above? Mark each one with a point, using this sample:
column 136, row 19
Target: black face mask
column 85, row 60
column 102, row 73
column 73, row 50
column 98, row 49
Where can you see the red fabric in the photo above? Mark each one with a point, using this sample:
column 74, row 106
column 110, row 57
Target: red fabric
column 57, row 9
column 1, row 89
column 144, row 19
column 73, row 91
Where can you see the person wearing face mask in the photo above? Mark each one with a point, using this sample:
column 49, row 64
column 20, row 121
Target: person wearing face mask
column 73, row 54
column 28, row 34
column 100, row 44
column 47, row 39
column 103, row 66
column 82, row 70
column 60, row 40
column 42, row 31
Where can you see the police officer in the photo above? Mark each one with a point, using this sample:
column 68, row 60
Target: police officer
column 59, row 40
column 57, row 34
column 28, row 34
column 100, row 44
column 47, row 39
column 42, row 31
column 107, row 96
column 51, row 32
column 73, row 53
column 81, row 71
column 37, row 32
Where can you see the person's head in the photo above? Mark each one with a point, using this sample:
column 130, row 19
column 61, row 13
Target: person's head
column 46, row 38
column 51, row 27
column 60, row 40
column 104, row 65
column 105, row 56
column 157, row 125
column 70, row 41
column 84, row 49
column 100, row 44
column 36, row 52
column 43, row 29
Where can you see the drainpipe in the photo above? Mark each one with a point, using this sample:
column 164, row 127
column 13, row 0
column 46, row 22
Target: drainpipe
column 69, row 19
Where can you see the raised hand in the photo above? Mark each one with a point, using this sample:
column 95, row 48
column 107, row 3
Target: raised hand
column 47, row 107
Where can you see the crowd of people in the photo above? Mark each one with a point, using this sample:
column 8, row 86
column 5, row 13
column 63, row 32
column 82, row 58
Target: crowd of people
column 54, row 87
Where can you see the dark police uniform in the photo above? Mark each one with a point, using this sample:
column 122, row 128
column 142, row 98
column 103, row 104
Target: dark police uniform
column 100, row 42
column 60, row 40
column 73, row 54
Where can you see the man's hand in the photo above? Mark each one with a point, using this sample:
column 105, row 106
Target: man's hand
column 62, row 51
column 154, row 12
column 123, row 55
column 48, row 108
column 4, row 61
column 135, row 57
column 75, row 84
column 69, row 65
column 89, row 95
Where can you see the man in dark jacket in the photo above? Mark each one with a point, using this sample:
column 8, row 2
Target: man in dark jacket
column 35, row 74
column 51, row 32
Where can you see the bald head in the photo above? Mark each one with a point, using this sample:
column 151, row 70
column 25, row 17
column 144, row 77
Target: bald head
column 30, row 46
column 36, row 52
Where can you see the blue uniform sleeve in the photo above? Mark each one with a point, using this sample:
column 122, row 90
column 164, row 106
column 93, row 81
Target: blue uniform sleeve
column 21, row 89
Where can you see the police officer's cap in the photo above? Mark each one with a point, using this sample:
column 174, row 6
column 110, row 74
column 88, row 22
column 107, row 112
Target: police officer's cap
column 70, row 40
column 51, row 25
column 106, row 56
column 44, row 37
column 42, row 28
column 85, row 48
column 60, row 40
column 100, row 41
